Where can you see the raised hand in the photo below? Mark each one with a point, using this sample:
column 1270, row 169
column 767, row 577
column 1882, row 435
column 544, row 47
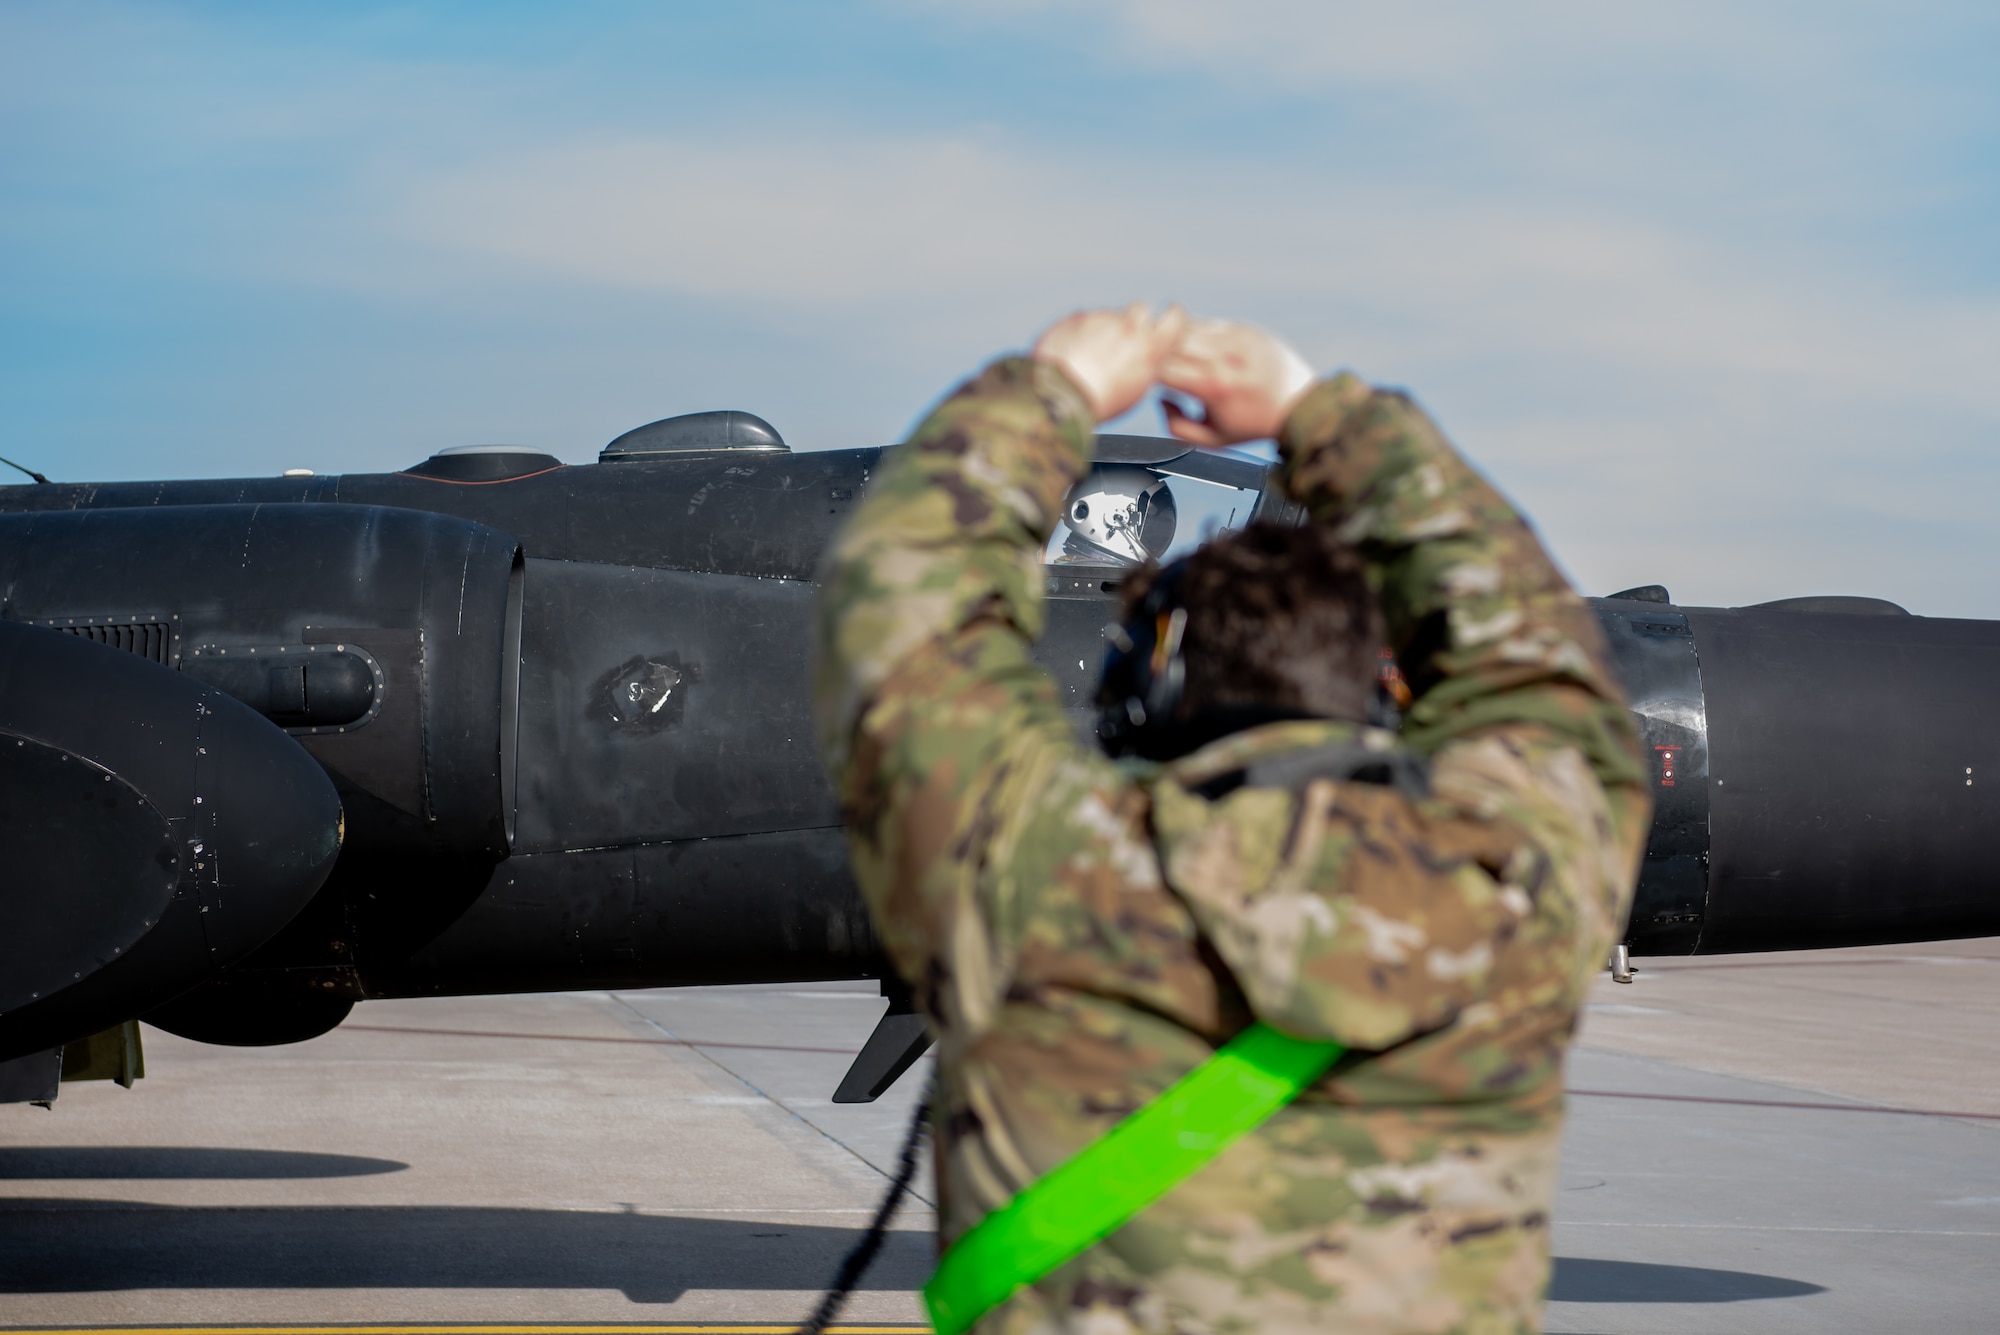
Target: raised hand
column 1246, row 379
column 1114, row 356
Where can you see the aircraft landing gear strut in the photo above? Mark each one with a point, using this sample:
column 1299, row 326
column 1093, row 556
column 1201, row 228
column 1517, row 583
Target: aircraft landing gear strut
column 1621, row 963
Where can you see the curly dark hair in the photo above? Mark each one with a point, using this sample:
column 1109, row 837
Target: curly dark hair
column 1280, row 619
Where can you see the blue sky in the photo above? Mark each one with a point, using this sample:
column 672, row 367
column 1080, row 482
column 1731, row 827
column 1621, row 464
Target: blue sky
column 1713, row 291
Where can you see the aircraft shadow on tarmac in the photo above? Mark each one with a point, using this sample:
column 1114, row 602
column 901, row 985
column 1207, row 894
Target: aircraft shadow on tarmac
column 82, row 1246
column 75, row 1163
column 71, row 1246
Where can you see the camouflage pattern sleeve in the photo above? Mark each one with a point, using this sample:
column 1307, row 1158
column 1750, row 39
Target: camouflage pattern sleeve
column 950, row 533
column 941, row 734
column 1487, row 630
column 1363, row 916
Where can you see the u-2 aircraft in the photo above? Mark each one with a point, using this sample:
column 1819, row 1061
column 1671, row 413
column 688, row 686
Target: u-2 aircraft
column 493, row 723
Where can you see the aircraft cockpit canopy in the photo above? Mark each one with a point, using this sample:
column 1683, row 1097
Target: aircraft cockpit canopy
column 1149, row 498
column 1118, row 513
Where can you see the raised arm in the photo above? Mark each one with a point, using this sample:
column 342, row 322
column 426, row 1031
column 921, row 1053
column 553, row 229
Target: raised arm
column 942, row 736
column 1521, row 867
column 948, row 538
column 1487, row 630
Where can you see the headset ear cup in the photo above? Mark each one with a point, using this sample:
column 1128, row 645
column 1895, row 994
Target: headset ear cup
column 1168, row 668
column 1121, row 694
column 1175, row 687
column 1145, row 676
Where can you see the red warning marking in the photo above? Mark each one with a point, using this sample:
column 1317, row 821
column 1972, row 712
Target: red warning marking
column 1670, row 757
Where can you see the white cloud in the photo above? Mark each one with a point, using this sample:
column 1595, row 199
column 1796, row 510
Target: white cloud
column 794, row 220
column 1616, row 248
column 1593, row 361
column 1305, row 43
column 882, row 222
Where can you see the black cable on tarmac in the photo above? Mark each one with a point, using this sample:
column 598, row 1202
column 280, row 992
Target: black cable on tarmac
column 855, row 1264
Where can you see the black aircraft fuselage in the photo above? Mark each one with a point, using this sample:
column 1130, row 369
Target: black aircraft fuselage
column 497, row 724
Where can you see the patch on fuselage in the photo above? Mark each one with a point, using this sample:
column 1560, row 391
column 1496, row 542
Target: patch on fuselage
column 644, row 693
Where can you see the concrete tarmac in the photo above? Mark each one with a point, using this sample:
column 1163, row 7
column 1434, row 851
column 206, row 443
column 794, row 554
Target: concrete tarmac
column 1800, row 1142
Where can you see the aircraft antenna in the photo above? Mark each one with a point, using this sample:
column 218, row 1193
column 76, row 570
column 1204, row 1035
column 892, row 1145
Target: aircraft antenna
column 29, row 471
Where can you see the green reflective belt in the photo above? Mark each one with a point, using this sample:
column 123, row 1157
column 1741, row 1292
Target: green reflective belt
column 1090, row 1197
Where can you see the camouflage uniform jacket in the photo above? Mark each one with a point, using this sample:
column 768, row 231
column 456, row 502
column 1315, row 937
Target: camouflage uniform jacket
column 1082, row 933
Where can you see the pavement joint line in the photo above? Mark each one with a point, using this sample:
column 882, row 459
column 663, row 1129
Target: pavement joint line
column 1785, row 1228
column 851, row 1052
column 1661, row 967
column 1779, row 1103
column 590, row 1038
column 912, row 1193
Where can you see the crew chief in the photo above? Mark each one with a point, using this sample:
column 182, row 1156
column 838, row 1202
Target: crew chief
column 1083, row 932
